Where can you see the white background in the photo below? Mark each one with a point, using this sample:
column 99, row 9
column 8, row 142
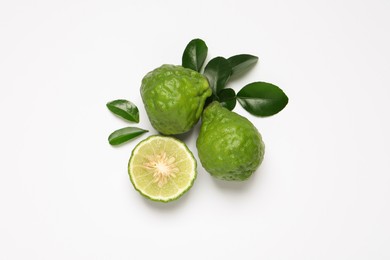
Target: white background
column 322, row 192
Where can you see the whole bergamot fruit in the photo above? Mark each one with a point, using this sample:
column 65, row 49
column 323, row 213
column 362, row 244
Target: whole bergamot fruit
column 174, row 98
column 229, row 145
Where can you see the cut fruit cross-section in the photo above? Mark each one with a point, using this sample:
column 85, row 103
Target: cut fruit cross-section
column 162, row 168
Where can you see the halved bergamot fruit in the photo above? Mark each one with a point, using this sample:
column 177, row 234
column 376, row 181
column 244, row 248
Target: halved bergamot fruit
column 162, row 168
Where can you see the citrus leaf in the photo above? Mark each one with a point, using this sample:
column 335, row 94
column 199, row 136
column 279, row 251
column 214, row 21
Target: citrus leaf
column 125, row 134
column 194, row 55
column 217, row 71
column 227, row 98
column 242, row 62
column 124, row 109
column 262, row 99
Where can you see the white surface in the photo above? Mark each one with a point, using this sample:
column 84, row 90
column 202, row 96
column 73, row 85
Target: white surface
column 321, row 193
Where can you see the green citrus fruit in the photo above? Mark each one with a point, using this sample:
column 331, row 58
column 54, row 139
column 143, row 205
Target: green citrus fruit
column 229, row 145
column 162, row 168
column 174, row 98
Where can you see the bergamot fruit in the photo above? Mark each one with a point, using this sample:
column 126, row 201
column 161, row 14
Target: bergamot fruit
column 162, row 168
column 174, row 97
column 229, row 145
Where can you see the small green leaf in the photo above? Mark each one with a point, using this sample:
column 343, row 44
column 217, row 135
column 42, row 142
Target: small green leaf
column 125, row 134
column 227, row 98
column 242, row 62
column 194, row 55
column 124, row 109
column 262, row 99
column 218, row 71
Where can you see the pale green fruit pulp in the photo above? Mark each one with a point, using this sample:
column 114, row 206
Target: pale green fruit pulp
column 162, row 168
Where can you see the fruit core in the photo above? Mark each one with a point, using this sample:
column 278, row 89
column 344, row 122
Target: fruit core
column 163, row 167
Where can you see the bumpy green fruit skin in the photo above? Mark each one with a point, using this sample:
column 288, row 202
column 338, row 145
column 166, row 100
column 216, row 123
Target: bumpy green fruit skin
column 174, row 97
column 229, row 145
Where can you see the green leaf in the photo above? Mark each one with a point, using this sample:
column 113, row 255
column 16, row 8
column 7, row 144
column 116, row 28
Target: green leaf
column 227, row 98
column 125, row 134
column 218, row 71
column 124, row 109
column 262, row 99
column 242, row 62
column 194, row 55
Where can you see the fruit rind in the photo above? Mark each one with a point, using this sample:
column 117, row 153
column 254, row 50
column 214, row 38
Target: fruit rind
column 174, row 98
column 229, row 146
